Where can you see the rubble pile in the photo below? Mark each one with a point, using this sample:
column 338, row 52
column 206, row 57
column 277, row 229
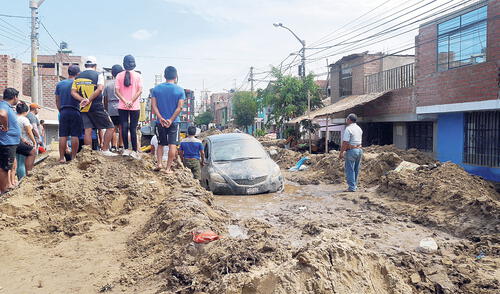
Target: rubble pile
column 469, row 204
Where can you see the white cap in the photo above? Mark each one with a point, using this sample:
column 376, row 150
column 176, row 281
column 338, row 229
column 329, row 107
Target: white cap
column 91, row 60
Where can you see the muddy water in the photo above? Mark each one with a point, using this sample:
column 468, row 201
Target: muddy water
column 327, row 206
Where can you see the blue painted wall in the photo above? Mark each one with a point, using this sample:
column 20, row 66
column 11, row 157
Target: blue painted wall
column 450, row 145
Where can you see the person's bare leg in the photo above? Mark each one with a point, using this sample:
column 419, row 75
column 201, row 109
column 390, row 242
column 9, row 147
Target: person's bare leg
column 13, row 177
column 74, row 146
column 159, row 157
column 63, row 142
column 120, row 138
column 114, row 140
column 29, row 162
column 4, row 180
column 87, row 138
column 108, row 135
column 172, row 153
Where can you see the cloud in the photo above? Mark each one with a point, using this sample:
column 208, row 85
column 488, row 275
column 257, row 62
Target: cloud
column 143, row 34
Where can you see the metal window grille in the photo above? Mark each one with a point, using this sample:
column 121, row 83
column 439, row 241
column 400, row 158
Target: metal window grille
column 420, row 136
column 482, row 138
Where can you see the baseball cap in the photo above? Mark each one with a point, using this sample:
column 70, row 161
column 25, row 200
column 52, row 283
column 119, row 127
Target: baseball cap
column 91, row 60
column 34, row 106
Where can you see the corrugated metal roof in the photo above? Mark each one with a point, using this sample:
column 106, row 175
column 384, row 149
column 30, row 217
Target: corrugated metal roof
column 344, row 104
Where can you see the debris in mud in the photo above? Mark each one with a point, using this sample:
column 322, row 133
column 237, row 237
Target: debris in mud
column 443, row 194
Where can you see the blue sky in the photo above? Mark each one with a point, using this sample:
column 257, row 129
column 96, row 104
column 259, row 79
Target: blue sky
column 210, row 41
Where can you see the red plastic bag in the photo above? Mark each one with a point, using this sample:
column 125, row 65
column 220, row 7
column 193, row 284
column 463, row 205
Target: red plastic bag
column 205, row 237
column 41, row 149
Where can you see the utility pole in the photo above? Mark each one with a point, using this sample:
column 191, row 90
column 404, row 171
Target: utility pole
column 34, row 5
column 251, row 79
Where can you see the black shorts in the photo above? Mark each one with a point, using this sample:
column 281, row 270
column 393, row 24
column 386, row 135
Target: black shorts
column 70, row 123
column 168, row 136
column 7, row 156
column 24, row 149
column 115, row 120
column 98, row 119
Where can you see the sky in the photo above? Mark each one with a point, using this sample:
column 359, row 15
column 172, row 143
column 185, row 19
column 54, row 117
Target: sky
column 212, row 43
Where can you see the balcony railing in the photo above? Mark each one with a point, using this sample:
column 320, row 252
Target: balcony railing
column 395, row 78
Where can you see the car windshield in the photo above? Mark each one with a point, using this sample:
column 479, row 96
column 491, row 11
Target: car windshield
column 237, row 150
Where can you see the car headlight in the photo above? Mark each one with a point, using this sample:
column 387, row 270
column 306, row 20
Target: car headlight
column 276, row 171
column 217, row 178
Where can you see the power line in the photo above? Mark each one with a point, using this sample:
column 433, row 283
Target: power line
column 350, row 22
column 379, row 34
column 14, row 16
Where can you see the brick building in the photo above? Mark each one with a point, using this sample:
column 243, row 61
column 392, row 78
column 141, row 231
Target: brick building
column 379, row 89
column 221, row 107
column 11, row 73
column 51, row 69
column 457, row 82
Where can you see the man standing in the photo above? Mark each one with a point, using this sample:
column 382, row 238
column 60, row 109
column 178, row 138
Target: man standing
column 167, row 100
column 70, row 121
column 191, row 153
column 111, row 102
column 35, row 122
column 87, row 88
column 10, row 136
column 351, row 145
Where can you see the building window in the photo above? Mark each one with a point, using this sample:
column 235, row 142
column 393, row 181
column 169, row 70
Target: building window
column 420, row 136
column 482, row 138
column 345, row 81
column 462, row 40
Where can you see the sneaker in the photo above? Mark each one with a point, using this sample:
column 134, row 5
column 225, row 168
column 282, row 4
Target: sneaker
column 113, row 149
column 135, row 155
column 126, row 152
column 108, row 153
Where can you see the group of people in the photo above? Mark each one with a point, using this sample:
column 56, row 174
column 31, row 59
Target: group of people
column 85, row 106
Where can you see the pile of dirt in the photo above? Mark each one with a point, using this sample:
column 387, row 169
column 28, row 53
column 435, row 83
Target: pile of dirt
column 329, row 169
column 269, row 142
column 446, row 196
column 65, row 200
column 411, row 155
column 209, row 132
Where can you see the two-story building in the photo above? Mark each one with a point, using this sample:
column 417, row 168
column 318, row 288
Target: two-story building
column 457, row 82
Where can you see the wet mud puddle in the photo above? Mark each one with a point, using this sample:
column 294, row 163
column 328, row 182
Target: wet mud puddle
column 301, row 212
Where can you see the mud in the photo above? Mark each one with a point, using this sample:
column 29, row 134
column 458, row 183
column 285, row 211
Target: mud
column 329, row 169
column 99, row 225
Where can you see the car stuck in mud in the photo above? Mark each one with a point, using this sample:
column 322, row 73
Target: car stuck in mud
column 237, row 164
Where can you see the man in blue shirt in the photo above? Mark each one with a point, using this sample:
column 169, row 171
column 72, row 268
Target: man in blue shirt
column 70, row 121
column 191, row 153
column 167, row 100
column 10, row 136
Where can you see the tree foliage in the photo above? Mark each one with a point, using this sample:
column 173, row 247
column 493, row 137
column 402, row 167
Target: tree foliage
column 244, row 108
column 204, row 119
column 287, row 97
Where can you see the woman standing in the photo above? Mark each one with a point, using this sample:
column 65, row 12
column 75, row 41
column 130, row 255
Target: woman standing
column 27, row 145
column 128, row 90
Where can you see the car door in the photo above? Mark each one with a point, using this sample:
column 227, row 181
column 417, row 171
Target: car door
column 204, row 169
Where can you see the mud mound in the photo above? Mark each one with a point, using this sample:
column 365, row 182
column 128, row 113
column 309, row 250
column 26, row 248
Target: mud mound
column 411, row 155
column 447, row 196
column 268, row 142
column 67, row 199
column 260, row 263
column 328, row 168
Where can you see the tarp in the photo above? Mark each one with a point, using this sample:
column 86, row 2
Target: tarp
column 342, row 105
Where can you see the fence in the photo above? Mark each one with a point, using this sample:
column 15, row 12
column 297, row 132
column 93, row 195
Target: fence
column 395, row 78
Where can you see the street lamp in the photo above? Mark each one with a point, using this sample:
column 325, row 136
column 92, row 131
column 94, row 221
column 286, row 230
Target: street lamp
column 302, row 73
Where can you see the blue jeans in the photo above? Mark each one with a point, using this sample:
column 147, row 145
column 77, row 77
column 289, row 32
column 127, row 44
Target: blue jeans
column 351, row 168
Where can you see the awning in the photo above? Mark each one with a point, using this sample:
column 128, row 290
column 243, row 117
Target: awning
column 342, row 105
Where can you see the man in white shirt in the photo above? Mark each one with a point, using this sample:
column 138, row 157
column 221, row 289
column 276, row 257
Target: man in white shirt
column 154, row 149
column 351, row 145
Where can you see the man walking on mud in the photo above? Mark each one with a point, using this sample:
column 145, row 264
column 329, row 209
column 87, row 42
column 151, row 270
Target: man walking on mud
column 167, row 100
column 351, row 145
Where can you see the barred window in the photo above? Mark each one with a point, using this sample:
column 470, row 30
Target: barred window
column 345, row 81
column 482, row 138
column 420, row 136
column 462, row 40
